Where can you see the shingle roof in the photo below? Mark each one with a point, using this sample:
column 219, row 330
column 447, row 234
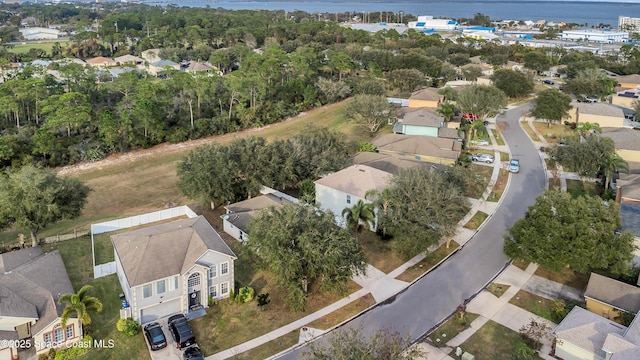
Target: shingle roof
column 613, row 292
column 385, row 162
column 196, row 66
column 429, row 94
column 13, row 259
column 630, row 186
column 36, row 284
column 587, row 330
column 128, row 58
column 100, row 60
column 418, row 145
column 244, row 211
column 423, row 117
column 162, row 63
column 599, row 108
column 629, row 79
column 448, row 133
column 357, row 180
column 630, row 213
column 144, row 252
column 625, row 139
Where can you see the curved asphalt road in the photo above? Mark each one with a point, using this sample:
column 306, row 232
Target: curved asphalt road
column 434, row 297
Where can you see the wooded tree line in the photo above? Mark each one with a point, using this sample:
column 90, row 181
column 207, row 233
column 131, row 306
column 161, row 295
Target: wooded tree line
column 303, row 63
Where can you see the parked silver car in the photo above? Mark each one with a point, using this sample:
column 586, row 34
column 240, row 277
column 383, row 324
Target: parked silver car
column 488, row 158
column 514, row 166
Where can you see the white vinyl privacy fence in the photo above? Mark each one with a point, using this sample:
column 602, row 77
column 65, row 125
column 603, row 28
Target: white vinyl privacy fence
column 100, row 270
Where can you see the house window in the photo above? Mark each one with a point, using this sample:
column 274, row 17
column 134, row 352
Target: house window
column 224, row 268
column 175, row 282
column 147, row 291
column 69, row 331
column 48, row 339
column 194, row 280
column 418, row 157
column 212, row 271
column 213, row 291
column 348, row 199
column 58, row 335
column 161, row 286
column 224, row 288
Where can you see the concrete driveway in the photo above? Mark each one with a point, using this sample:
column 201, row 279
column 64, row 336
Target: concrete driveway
column 168, row 353
column 430, row 300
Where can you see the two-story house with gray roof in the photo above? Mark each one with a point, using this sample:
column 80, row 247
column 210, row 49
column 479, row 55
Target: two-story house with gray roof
column 173, row 268
column 31, row 284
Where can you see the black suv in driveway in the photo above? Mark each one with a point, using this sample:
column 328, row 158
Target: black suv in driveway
column 193, row 353
column 181, row 332
column 155, row 336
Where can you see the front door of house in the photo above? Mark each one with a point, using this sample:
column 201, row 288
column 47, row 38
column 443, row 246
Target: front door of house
column 194, row 299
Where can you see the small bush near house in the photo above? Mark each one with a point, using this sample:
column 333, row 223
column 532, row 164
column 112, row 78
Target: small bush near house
column 128, row 326
column 74, row 352
column 365, row 146
column 245, row 295
column 263, row 300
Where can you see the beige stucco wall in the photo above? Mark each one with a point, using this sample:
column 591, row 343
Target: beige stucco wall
column 601, row 309
column 413, row 103
column 567, row 351
column 623, row 101
column 629, row 155
column 603, row 121
column 38, row 339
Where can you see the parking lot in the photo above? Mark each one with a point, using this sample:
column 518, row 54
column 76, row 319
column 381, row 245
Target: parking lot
column 168, row 353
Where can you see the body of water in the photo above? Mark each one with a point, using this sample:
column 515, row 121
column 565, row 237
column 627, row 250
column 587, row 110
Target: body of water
column 581, row 12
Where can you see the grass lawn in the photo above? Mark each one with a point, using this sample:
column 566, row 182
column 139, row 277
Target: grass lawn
column 271, row 348
column 521, row 264
column 553, row 133
column 499, row 186
column 498, row 137
column 535, row 304
column 497, row 289
column 450, row 328
column 76, row 255
column 483, row 176
column 380, row 252
column 40, row 45
column 532, row 134
column 575, row 188
column 477, row 220
column 493, row 341
column 344, row 313
column 504, row 156
column 428, row 262
column 554, row 183
column 566, row 276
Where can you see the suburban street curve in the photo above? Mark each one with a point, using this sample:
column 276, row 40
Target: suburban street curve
column 434, row 297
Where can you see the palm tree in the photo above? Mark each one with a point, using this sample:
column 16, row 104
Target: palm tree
column 361, row 211
column 446, row 109
column 612, row 163
column 80, row 303
column 478, row 128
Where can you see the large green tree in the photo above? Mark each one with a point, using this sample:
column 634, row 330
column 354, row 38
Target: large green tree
column 481, row 100
column 586, row 156
column 301, row 246
column 512, row 82
column 420, row 207
column 581, row 233
column 35, row 198
column 82, row 304
column 369, row 111
column 551, row 105
column 350, row 344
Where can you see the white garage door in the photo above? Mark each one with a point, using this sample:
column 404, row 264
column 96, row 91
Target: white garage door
column 156, row 312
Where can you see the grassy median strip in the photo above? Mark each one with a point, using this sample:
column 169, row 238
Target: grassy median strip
column 428, row 262
column 344, row 313
column 538, row 305
column 493, row 341
column 478, row 218
column 532, row 134
column 497, row 289
column 498, row 137
column 499, row 186
column 450, row 328
column 270, row 348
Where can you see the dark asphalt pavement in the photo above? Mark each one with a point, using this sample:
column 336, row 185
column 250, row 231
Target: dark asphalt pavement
column 433, row 298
